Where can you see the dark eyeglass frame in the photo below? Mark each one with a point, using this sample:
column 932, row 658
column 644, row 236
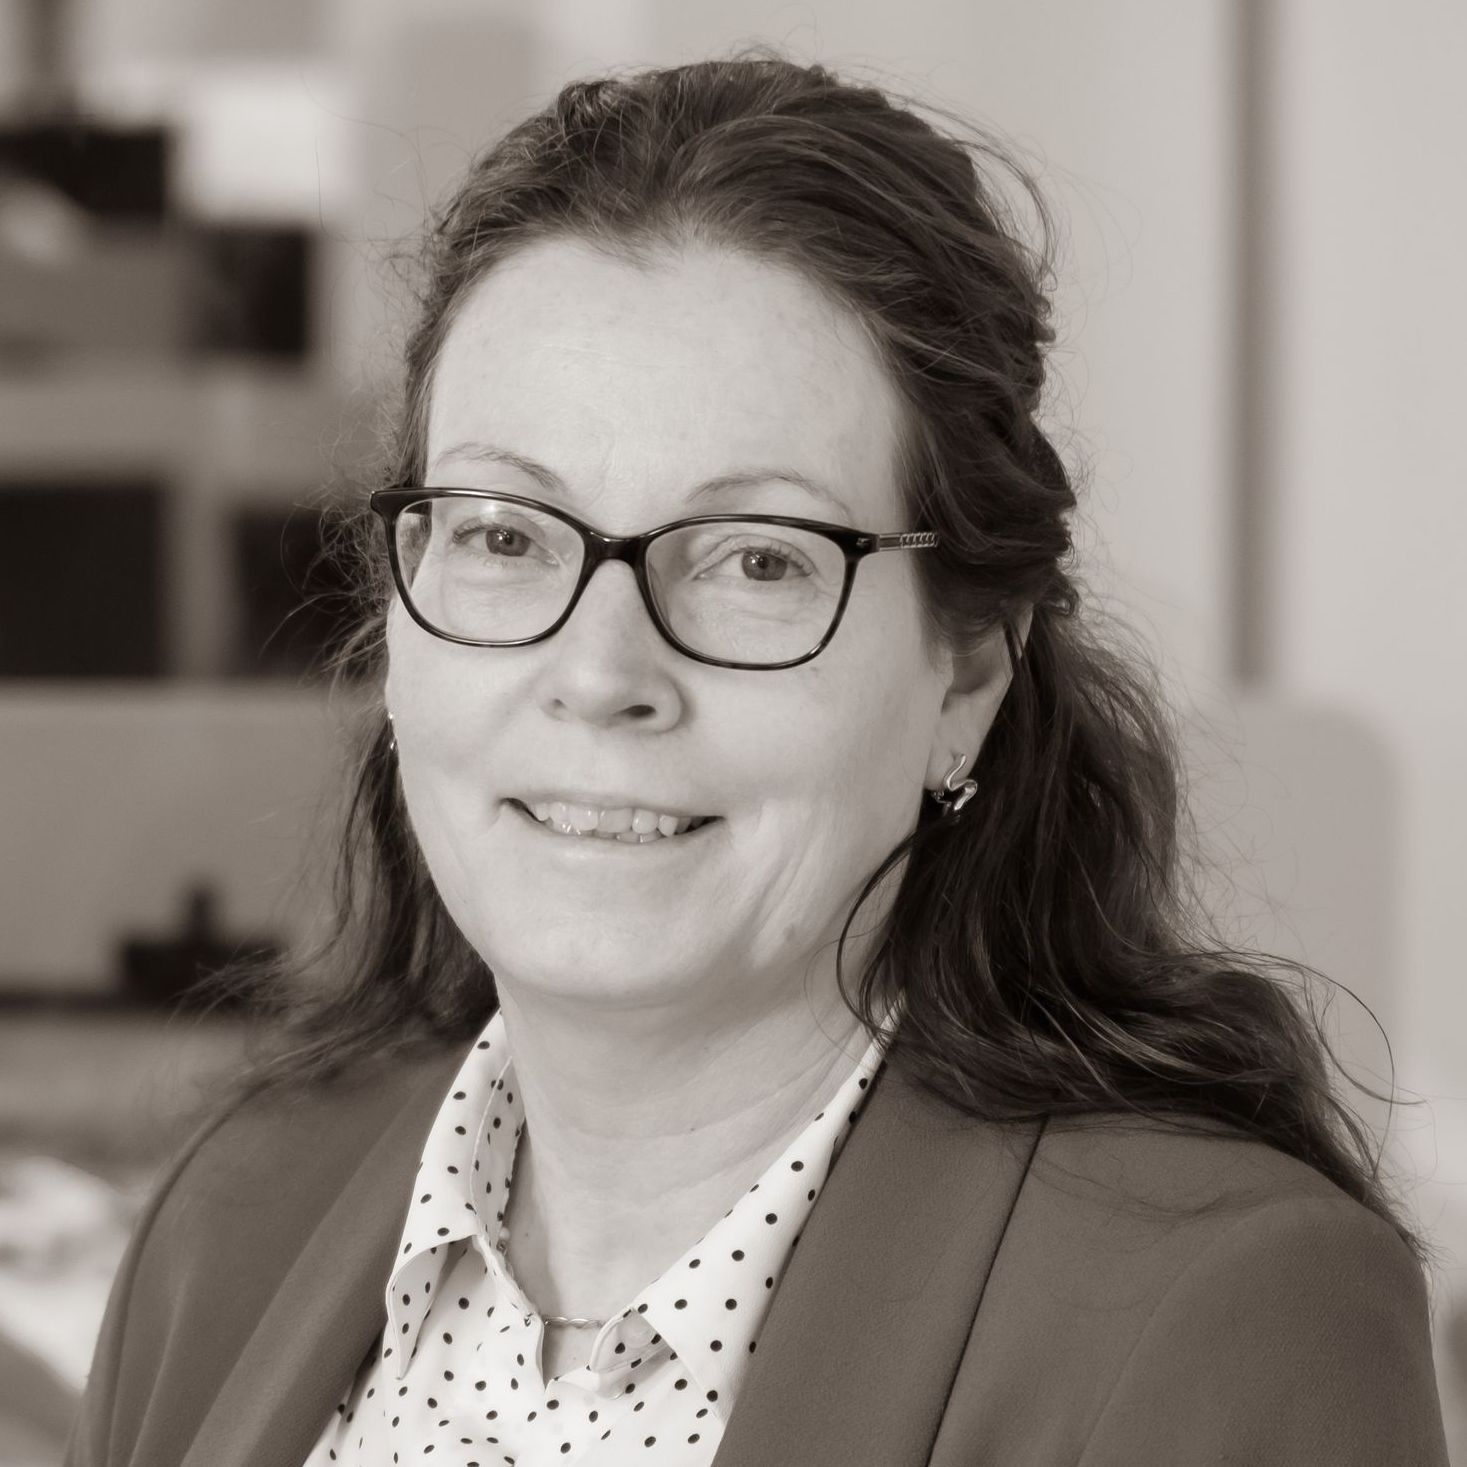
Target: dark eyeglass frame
column 599, row 548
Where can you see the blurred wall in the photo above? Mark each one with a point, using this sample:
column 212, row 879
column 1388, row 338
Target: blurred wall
column 1369, row 304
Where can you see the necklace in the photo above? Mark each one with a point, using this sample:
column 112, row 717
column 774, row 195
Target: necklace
column 561, row 1319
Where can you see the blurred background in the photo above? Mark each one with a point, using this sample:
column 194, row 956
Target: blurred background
column 203, row 209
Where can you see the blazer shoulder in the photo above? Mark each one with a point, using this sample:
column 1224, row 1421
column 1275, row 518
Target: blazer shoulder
column 235, row 1200
column 1309, row 1321
column 1175, row 1165
column 1114, row 1211
column 256, row 1155
column 1179, row 1281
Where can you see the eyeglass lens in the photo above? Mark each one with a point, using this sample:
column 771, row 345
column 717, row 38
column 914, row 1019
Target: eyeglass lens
column 490, row 570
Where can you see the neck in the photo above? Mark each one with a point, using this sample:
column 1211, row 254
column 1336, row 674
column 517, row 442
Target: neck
column 641, row 1132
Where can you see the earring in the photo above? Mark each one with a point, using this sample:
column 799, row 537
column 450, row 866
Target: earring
column 952, row 796
column 391, row 736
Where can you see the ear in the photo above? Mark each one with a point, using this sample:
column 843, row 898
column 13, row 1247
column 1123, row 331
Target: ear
column 977, row 682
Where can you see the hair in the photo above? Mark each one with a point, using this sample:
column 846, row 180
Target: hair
column 1054, row 957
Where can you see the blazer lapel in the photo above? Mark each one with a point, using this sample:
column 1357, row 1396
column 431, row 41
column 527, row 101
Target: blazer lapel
column 865, row 1334
column 856, row 1358
column 327, row 1308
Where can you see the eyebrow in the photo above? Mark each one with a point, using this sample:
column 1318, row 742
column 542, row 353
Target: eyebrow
column 550, row 481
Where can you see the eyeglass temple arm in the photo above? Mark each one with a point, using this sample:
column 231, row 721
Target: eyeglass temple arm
column 907, row 540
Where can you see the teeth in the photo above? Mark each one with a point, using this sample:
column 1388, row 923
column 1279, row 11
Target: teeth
column 634, row 827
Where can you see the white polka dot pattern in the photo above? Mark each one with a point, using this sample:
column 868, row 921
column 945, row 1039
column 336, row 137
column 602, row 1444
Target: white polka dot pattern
column 456, row 1376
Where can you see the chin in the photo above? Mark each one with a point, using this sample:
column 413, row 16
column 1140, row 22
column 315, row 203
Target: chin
column 586, row 958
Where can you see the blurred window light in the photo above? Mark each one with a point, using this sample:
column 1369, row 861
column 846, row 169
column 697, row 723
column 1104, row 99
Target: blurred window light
column 263, row 142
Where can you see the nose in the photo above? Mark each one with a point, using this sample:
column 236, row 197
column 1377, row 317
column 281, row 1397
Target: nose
column 609, row 663
column 612, row 599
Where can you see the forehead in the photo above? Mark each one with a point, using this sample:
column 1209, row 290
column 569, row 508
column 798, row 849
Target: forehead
column 634, row 382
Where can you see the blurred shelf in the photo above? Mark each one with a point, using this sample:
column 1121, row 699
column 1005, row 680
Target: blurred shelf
column 223, row 424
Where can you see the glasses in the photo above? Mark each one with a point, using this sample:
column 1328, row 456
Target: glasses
column 744, row 591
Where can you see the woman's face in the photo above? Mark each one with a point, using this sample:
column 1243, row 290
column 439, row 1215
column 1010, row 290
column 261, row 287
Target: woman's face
column 632, row 386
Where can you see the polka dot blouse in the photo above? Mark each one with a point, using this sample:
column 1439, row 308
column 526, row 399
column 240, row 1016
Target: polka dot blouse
column 455, row 1380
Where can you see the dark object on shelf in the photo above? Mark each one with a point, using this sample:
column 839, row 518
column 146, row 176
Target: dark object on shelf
column 250, row 291
column 167, row 971
column 117, row 173
column 82, row 589
column 73, row 285
column 296, row 605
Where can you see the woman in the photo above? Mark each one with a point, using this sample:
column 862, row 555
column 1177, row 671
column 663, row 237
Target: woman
column 584, row 1152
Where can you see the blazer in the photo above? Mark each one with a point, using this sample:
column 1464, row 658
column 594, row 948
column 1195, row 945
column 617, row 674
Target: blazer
column 1096, row 1293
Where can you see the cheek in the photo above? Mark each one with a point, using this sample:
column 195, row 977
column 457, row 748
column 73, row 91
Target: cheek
column 850, row 746
column 437, row 692
column 887, row 745
column 444, row 723
column 451, row 815
column 846, row 780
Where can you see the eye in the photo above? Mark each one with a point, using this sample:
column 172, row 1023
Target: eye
column 769, row 560
column 501, row 541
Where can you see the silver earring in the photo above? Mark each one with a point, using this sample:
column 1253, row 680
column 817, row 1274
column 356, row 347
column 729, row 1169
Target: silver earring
column 391, row 736
column 952, row 796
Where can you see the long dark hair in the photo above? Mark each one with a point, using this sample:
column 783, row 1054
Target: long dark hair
column 1053, row 953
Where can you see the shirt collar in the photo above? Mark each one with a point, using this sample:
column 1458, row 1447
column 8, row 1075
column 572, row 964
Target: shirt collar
column 460, row 1188
column 461, row 1193
column 743, row 1256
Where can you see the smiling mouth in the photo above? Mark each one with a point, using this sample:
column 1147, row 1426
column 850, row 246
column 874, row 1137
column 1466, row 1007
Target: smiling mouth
column 626, row 837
